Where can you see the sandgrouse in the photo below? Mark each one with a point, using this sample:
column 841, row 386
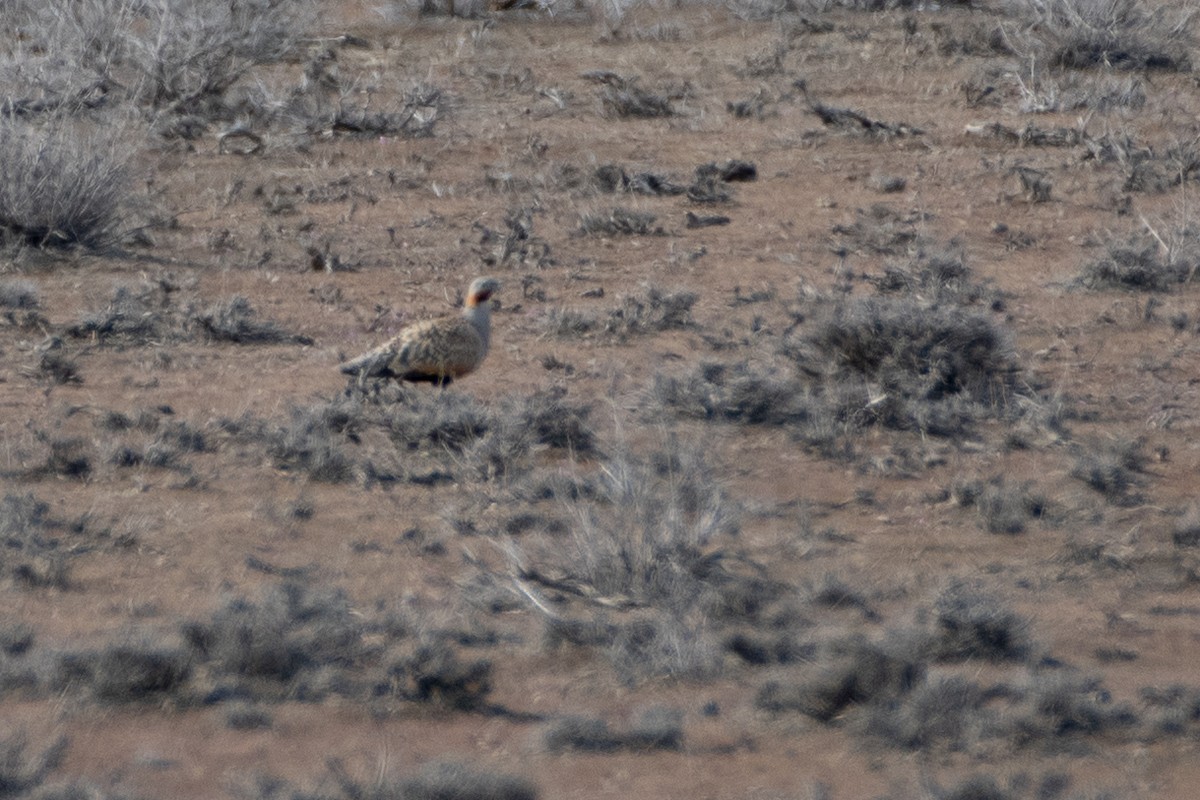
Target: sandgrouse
column 438, row 350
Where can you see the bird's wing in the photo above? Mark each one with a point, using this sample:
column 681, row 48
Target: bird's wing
column 432, row 348
column 447, row 347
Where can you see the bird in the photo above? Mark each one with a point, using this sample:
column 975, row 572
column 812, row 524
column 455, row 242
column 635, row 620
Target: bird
column 435, row 351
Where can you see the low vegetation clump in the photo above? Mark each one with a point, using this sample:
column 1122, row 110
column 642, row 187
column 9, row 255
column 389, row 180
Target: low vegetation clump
column 1114, row 469
column 941, row 713
column 971, row 624
column 1186, row 531
column 153, row 440
column 37, row 547
column 455, row 781
column 924, row 353
column 1115, row 34
column 1172, row 711
column 1143, row 262
column 20, row 308
column 742, row 392
column 415, row 116
column 913, row 356
column 291, row 643
column 613, row 178
column 853, row 123
column 437, row 780
column 641, row 542
column 236, row 321
column 23, row 771
column 153, row 313
column 1057, row 708
column 295, row 642
column 432, row 672
column 881, row 230
column 19, row 295
column 940, row 274
column 652, row 311
column 654, row 729
column 890, row 362
column 132, row 317
column 896, row 688
column 619, row 221
column 63, row 182
column 163, row 56
column 843, row 672
column 1050, row 786
column 624, row 97
column 1002, row 507
column 145, row 670
column 643, row 538
column 381, row 434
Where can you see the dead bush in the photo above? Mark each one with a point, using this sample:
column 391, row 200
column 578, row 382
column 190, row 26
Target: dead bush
column 236, row 321
column 939, row 274
column 135, row 671
column 643, row 537
column 650, row 312
column 433, row 672
column 641, row 540
column 654, row 728
column 1056, row 708
column 944, row 713
column 134, row 316
column 918, row 351
column 64, row 182
column 153, row 313
column 880, row 229
column 1114, row 469
column 1143, row 262
column 416, row 114
column 623, row 97
column 971, row 624
column 295, row 642
column 664, row 643
column 315, row 441
column 23, row 771
column 189, row 54
column 619, row 221
column 36, row 550
column 843, row 672
column 1002, row 508
column 613, row 178
column 741, row 392
column 454, row 781
column 1109, row 34
column 19, row 294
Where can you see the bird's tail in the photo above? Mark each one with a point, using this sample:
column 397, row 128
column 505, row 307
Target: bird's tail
column 359, row 366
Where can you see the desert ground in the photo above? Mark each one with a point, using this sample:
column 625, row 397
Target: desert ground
column 836, row 439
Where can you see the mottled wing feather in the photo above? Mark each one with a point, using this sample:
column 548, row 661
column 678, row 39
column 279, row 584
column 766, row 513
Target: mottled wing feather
column 424, row 351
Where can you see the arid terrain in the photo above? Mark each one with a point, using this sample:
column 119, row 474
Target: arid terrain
column 837, row 438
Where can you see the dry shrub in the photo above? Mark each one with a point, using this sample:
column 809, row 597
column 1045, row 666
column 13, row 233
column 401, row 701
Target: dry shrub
column 1111, row 34
column 23, row 771
column 64, row 182
column 641, row 538
column 1142, row 261
column 235, row 320
column 618, row 221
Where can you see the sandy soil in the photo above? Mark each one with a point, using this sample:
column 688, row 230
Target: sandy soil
column 405, row 217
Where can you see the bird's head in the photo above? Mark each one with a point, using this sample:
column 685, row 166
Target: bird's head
column 481, row 291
